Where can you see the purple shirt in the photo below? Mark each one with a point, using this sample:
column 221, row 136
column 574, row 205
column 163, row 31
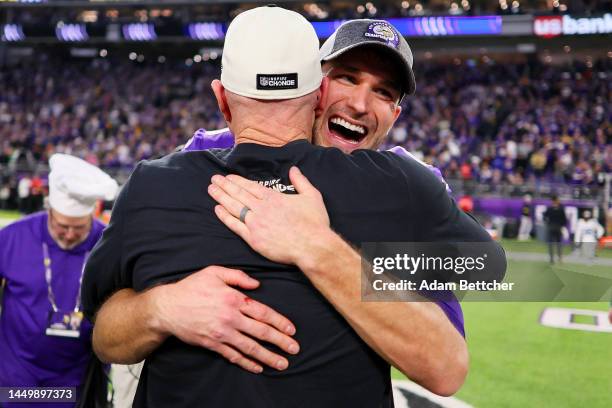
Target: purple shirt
column 28, row 356
column 223, row 138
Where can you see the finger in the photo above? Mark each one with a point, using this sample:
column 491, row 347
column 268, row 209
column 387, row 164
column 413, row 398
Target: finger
column 267, row 315
column 237, row 358
column 235, row 277
column 268, row 333
column 233, row 223
column 300, row 182
column 251, row 348
column 235, row 191
column 252, row 187
column 232, row 205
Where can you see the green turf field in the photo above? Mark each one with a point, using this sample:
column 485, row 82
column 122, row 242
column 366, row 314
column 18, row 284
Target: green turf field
column 8, row 216
column 516, row 362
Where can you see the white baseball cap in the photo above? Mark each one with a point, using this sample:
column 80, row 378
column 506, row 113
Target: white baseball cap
column 75, row 185
column 271, row 53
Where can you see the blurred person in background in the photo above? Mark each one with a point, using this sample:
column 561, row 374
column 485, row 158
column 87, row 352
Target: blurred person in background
column 37, row 193
column 5, row 194
column 555, row 220
column 44, row 340
column 526, row 221
column 586, row 237
column 23, row 191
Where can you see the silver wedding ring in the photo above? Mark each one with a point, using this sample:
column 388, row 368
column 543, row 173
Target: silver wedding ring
column 243, row 213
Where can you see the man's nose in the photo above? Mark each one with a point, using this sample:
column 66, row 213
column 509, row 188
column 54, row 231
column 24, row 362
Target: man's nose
column 358, row 100
column 70, row 235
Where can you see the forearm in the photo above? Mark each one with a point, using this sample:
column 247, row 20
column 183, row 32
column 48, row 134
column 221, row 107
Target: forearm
column 415, row 337
column 126, row 330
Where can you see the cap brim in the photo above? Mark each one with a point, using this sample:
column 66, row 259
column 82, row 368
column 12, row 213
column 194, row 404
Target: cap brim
column 409, row 73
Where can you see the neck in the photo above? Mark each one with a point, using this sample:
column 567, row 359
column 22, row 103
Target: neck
column 270, row 132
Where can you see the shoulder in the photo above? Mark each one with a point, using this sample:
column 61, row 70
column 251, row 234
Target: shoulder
column 98, row 226
column 31, row 223
column 379, row 167
column 170, row 164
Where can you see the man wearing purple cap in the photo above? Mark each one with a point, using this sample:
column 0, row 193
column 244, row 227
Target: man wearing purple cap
column 362, row 106
column 44, row 340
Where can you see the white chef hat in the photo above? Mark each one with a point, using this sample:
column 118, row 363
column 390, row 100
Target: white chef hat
column 75, row 185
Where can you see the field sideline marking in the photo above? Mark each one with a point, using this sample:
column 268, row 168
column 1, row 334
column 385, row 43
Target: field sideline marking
column 561, row 318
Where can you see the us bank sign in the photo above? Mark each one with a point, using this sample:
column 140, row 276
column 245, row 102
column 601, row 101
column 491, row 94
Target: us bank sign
column 552, row 26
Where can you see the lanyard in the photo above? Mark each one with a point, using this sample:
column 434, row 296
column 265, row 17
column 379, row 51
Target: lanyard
column 49, row 276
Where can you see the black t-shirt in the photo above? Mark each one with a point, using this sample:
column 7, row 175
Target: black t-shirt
column 163, row 228
column 555, row 218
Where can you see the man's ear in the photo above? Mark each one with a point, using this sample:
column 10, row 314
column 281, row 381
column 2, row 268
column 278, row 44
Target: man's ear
column 396, row 112
column 219, row 92
column 322, row 95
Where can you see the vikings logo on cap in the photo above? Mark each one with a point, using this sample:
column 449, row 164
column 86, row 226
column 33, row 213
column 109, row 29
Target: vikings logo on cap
column 383, row 31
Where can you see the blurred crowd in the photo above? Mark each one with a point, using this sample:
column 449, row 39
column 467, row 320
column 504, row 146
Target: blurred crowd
column 482, row 121
column 512, row 123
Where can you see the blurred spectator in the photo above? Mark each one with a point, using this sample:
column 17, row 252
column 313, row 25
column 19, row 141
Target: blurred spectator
column 588, row 232
column 526, row 222
column 555, row 220
column 23, row 189
column 5, row 193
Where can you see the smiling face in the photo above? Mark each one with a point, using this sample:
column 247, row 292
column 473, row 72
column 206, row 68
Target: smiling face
column 362, row 101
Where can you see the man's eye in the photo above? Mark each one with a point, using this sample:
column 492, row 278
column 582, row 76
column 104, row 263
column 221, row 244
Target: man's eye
column 346, row 78
column 384, row 93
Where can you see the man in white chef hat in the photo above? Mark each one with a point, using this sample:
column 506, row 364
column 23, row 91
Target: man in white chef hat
column 44, row 341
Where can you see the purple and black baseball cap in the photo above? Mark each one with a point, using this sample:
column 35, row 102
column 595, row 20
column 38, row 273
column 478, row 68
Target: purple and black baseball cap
column 378, row 33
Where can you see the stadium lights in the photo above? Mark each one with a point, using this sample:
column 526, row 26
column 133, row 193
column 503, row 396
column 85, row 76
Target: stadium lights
column 71, row 32
column 206, row 31
column 139, row 32
column 12, row 33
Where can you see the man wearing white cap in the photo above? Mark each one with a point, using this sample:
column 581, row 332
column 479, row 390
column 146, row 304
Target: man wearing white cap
column 164, row 229
column 369, row 66
column 44, row 340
